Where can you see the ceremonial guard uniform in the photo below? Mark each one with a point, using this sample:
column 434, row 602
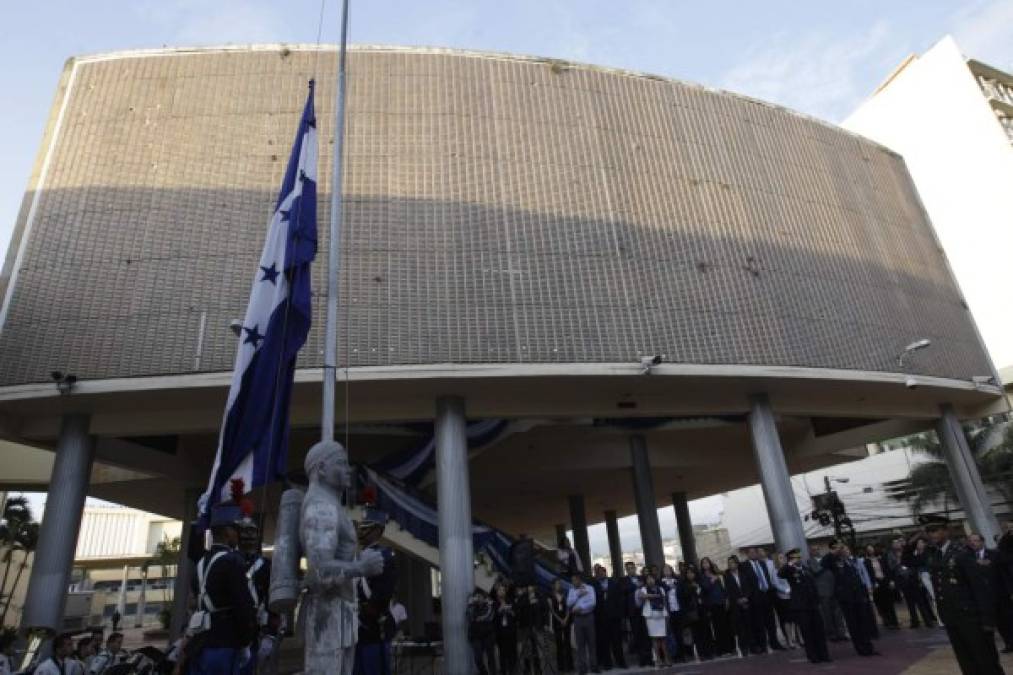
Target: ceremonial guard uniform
column 965, row 603
column 221, row 646
column 258, row 580
column 805, row 604
column 852, row 597
column 376, row 625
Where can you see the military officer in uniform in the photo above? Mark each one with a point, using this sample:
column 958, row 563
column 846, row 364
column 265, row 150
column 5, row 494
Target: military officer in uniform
column 805, row 604
column 965, row 602
column 376, row 625
column 852, row 597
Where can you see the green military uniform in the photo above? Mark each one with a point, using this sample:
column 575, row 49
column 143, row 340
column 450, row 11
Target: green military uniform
column 967, row 607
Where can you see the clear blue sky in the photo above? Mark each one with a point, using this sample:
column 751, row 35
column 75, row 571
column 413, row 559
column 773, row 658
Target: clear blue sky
column 822, row 58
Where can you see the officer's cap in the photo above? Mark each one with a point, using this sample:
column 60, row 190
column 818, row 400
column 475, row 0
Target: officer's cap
column 226, row 514
column 374, row 516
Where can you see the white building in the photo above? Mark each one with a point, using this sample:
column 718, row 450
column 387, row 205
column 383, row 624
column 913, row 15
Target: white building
column 113, row 545
column 860, row 486
column 952, row 119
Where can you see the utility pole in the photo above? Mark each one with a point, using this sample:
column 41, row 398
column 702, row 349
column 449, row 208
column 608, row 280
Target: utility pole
column 828, row 508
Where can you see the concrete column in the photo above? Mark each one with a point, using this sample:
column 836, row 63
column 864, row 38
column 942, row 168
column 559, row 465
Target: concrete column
column 185, row 568
column 142, row 599
column 61, row 522
column 965, row 475
column 647, row 506
column 615, row 545
column 685, row 527
column 578, row 520
column 121, row 602
column 560, row 532
column 785, row 521
column 457, row 558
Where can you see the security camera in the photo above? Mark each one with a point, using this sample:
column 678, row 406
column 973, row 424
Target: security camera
column 911, row 383
column 64, row 382
column 648, row 362
column 236, row 326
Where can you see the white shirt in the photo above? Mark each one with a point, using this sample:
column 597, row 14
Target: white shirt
column 398, row 611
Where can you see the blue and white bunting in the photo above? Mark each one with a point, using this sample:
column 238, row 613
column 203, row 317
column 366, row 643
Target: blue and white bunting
column 253, row 443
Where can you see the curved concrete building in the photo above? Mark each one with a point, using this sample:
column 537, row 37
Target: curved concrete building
column 519, row 233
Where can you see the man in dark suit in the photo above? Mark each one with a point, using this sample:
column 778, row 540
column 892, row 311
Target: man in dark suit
column 852, row 596
column 763, row 622
column 737, row 586
column 640, row 643
column 609, row 612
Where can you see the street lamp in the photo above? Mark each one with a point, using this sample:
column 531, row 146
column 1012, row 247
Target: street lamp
column 913, row 347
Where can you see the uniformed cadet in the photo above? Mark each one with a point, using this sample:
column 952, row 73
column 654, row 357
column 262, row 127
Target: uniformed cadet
column 966, row 605
column 376, row 625
column 852, row 597
column 258, row 580
column 805, row 604
column 221, row 588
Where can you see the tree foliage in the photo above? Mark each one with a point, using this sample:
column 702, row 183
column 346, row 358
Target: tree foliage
column 19, row 533
column 929, row 483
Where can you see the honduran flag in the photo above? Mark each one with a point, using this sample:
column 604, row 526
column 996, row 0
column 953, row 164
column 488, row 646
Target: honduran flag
column 253, row 443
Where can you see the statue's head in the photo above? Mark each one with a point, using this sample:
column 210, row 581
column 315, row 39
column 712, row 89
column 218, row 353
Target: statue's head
column 327, row 461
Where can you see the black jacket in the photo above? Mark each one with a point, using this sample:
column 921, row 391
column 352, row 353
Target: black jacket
column 737, row 589
column 805, row 596
column 375, row 621
column 532, row 614
column 481, row 617
column 610, row 602
column 746, row 571
column 234, row 621
column 963, row 591
column 848, row 586
column 630, row 586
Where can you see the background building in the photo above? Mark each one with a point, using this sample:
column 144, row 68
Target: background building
column 650, row 290
column 951, row 118
column 113, row 570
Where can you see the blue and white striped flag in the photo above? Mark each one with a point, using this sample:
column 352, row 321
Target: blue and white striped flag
column 253, row 443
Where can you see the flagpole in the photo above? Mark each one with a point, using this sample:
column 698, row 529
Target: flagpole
column 333, row 259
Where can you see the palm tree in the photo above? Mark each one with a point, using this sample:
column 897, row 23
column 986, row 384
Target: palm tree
column 27, row 542
column 992, row 449
column 17, row 516
column 166, row 556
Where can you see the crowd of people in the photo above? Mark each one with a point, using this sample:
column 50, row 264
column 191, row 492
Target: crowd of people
column 756, row 603
column 89, row 653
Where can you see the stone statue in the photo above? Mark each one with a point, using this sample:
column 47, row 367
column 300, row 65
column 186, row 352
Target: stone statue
column 327, row 538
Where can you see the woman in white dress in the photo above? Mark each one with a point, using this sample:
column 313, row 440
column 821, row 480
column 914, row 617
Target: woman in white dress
column 652, row 598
